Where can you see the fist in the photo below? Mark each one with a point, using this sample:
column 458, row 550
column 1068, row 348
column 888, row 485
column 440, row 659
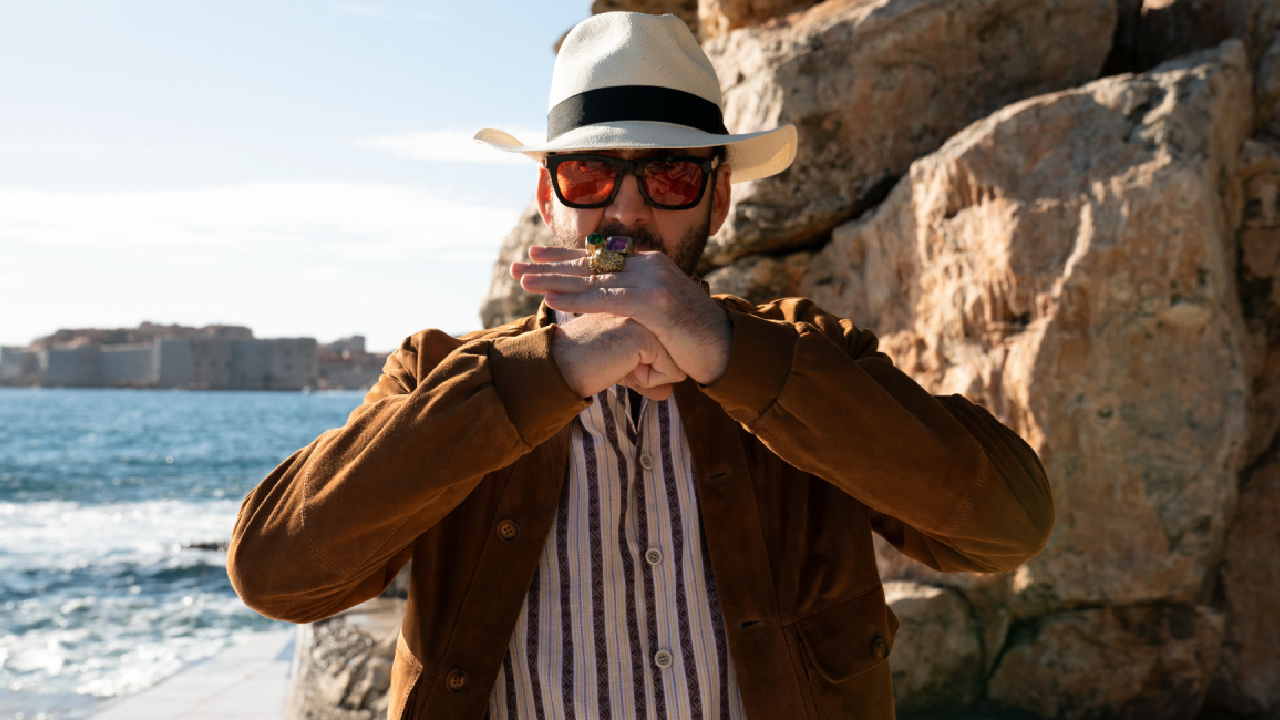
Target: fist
column 598, row 350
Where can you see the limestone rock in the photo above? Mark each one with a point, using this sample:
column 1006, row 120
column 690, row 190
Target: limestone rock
column 1069, row 263
column 1248, row 680
column 342, row 665
column 760, row 279
column 717, row 17
column 506, row 300
column 873, row 85
column 937, row 655
column 1267, row 91
column 686, row 10
column 1259, row 273
column 987, row 596
column 1126, row 663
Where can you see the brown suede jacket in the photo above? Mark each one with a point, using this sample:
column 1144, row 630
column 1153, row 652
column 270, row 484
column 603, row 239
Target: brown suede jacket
column 809, row 442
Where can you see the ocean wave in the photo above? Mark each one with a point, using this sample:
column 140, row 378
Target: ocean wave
column 106, row 600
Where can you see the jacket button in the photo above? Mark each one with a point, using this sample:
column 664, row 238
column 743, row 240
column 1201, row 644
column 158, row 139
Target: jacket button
column 880, row 648
column 508, row 530
column 456, row 680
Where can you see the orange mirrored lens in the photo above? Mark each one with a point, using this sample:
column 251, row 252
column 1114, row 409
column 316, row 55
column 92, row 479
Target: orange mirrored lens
column 585, row 181
column 673, row 183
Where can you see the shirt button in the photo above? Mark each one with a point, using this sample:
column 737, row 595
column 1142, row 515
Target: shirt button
column 456, row 680
column 508, row 530
column 646, row 461
column 653, row 556
column 662, row 659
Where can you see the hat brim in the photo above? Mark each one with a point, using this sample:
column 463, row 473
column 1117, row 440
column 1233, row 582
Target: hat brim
column 751, row 155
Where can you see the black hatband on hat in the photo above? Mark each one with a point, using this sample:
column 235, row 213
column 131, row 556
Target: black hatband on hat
column 634, row 102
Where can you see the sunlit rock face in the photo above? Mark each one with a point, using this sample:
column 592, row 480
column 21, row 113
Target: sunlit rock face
column 872, row 86
column 717, row 17
column 1069, row 262
column 1068, row 211
column 506, row 300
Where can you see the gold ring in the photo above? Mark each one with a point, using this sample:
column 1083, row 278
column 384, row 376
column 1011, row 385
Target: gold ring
column 605, row 261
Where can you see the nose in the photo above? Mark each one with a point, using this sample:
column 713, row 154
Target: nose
column 628, row 206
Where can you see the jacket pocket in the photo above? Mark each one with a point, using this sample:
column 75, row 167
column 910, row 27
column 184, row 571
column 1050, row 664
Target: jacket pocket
column 404, row 680
column 849, row 638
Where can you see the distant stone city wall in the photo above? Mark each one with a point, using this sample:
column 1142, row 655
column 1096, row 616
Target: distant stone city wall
column 193, row 363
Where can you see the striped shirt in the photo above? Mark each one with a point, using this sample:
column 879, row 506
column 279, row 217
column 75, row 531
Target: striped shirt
column 622, row 619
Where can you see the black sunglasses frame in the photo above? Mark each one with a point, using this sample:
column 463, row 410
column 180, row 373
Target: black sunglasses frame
column 622, row 168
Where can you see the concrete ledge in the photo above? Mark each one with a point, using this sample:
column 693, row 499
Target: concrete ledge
column 247, row 681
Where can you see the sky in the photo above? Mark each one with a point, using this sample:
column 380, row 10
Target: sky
column 302, row 168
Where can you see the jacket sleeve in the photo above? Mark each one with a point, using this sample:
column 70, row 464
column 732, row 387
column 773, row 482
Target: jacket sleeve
column 332, row 525
column 946, row 482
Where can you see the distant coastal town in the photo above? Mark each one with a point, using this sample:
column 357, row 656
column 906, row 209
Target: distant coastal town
column 214, row 357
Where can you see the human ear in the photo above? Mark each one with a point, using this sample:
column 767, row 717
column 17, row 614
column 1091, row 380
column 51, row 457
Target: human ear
column 544, row 195
column 720, row 199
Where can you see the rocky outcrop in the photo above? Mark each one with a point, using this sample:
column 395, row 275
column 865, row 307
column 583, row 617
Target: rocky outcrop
column 938, row 652
column 1259, row 278
column 686, row 10
column 342, row 665
column 1117, row 662
column 761, row 278
column 506, row 300
column 717, row 17
column 1052, row 261
column 1097, row 262
column 874, row 85
column 1070, row 263
column 1266, row 90
column 1247, row 681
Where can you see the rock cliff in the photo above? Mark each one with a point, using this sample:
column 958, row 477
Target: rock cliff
column 1069, row 262
column 1068, row 211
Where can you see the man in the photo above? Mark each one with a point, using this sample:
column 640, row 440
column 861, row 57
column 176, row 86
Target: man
column 642, row 501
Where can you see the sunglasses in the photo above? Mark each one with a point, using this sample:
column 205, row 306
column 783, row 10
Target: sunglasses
column 674, row 182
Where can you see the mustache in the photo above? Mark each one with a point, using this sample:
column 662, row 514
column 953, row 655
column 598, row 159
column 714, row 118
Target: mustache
column 642, row 238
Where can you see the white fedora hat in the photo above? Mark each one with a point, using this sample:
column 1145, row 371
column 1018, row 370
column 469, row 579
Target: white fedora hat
column 631, row 80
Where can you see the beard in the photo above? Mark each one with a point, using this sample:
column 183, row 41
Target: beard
column 688, row 250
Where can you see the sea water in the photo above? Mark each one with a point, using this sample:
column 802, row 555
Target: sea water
column 115, row 509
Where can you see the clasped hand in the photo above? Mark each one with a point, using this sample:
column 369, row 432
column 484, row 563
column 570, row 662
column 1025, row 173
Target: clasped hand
column 647, row 327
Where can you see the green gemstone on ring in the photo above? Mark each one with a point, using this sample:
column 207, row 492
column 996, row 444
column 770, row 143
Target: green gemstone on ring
column 595, row 239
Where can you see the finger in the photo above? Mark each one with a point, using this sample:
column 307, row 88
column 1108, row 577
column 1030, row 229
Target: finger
column 652, row 385
column 664, row 370
column 614, row 301
column 570, row 261
column 654, row 392
column 559, row 267
column 543, row 284
column 577, row 284
column 658, row 368
column 554, row 253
